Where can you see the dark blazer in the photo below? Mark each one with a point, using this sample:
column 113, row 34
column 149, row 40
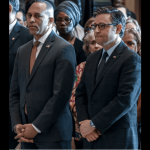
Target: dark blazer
column 80, row 54
column 46, row 91
column 111, row 103
column 18, row 36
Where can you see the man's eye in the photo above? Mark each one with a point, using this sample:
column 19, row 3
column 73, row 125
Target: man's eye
column 37, row 16
column 29, row 15
column 130, row 43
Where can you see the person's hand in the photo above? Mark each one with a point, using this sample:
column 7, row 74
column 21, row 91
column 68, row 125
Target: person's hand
column 86, row 128
column 20, row 130
column 92, row 136
column 29, row 132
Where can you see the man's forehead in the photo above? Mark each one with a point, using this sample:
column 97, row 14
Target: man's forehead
column 37, row 7
column 102, row 18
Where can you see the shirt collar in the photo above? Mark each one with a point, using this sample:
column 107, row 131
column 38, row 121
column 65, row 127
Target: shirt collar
column 12, row 24
column 109, row 51
column 44, row 37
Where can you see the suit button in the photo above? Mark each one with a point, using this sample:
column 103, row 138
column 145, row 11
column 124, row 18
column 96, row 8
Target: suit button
column 92, row 102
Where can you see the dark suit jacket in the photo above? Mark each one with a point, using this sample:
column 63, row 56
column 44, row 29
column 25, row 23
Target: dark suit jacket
column 21, row 36
column 80, row 54
column 111, row 103
column 46, row 91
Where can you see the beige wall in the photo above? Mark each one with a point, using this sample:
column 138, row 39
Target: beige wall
column 134, row 6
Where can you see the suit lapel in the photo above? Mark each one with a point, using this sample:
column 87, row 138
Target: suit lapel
column 45, row 48
column 94, row 66
column 113, row 57
column 14, row 34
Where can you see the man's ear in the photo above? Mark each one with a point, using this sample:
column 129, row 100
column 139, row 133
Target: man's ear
column 118, row 28
column 51, row 20
column 10, row 8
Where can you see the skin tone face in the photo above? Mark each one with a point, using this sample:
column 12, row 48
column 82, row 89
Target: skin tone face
column 131, row 25
column 118, row 2
column 130, row 41
column 93, row 46
column 19, row 17
column 38, row 21
column 62, row 27
column 109, row 36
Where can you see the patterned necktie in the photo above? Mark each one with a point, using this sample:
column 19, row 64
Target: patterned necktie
column 33, row 55
column 101, row 65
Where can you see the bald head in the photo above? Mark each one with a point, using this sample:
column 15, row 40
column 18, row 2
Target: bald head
column 48, row 8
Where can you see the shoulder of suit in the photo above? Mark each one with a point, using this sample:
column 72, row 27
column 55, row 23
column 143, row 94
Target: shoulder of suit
column 25, row 46
column 62, row 42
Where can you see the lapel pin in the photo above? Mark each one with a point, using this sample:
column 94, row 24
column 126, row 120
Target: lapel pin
column 13, row 38
column 48, row 46
column 114, row 56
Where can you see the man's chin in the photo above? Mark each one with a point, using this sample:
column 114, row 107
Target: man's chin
column 33, row 32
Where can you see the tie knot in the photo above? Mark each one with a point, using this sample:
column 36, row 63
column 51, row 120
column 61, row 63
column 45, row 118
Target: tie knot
column 36, row 43
column 105, row 55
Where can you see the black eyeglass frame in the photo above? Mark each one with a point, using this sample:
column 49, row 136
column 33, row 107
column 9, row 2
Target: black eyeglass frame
column 60, row 20
column 93, row 25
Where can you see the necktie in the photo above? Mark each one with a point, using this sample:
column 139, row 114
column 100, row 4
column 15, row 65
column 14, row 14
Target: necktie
column 33, row 55
column 32, row 61
column 101, row 65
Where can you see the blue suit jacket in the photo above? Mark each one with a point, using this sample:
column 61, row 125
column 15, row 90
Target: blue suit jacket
column 18, row 37
column 111, row 102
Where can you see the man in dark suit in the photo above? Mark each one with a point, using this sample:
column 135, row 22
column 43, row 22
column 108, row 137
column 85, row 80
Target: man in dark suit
column 106, row 97
column 41, row 84
column 18, row 35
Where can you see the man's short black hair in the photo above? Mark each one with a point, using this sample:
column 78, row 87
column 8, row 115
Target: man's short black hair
column 117, row 16
column 15, row 5
column 48, row 3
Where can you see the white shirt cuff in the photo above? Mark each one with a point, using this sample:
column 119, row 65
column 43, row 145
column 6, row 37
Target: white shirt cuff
column 36, row 129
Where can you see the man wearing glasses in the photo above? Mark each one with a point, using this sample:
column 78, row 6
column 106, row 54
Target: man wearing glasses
column 106, row 97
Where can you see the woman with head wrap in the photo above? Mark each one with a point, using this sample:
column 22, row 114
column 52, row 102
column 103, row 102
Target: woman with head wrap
column 67, row 16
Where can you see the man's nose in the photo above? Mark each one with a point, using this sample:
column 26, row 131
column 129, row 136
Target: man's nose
column 32, row 19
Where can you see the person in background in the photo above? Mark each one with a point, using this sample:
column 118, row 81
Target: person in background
column 67, row 16
column 106, row 97
column 87, row 26
column 123, row 9
column 20, row 16
column 116, row 3
column 133, row 40
column 78, row 32
column 18, row 36
column 89, row 47
column 132, row 23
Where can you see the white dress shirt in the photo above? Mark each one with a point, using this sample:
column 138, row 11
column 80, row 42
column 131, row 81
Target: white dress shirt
column 39, row 47
column 11, row 26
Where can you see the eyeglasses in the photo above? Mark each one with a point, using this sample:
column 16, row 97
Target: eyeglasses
column 65, row 20
column 88, row 29
column 101, row 26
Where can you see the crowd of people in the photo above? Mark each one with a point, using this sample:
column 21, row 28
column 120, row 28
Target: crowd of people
column 73, row 87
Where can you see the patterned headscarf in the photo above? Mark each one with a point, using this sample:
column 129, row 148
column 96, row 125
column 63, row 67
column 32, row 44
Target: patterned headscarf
column 71, row 9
